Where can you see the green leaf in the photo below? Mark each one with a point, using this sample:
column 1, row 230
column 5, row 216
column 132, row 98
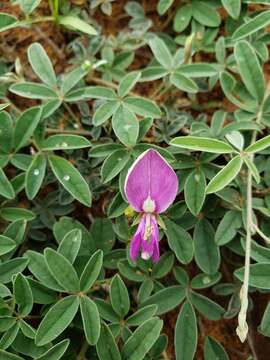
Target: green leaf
column 6, row 131
column 213, row 350
column 23, row 295
column 233, row 7
column 163, row 266
column 250, row 69
column 119, row 296
column 114, row 164
column 7, row 21
column 31, row 90
column 57, row 319
column 142, row 106
column 38, row 267
column 203, row 281
column 27, row 329
column 205, row 14
column 185, row 337
column 258, row 275
column 141, row 341
column 56, row 352
column 104, row 112
column 202, row 144
column 128, row 82
column 62, row 270
column 153, row 73
column 179, row 241
column 91, row 320
column 163, row 6
column 28, row 6
column 205, row 306
column 4, row 355
column 41, row 64
column 236, row 139
column 166, row 299
column 6, row 245
column 106, row 346
column 11, row 267
column 25, row 126
column 256, row 23
column 207, row 254
column 65, row 142
column 103, row 234
column 9, row 336
column 259, row 145
column 225, row 176
column 195, row 191
column 264, row 327
column 41, row 293
column 74, row 76
column 91, row 271
column 236, row 94
column 14, row 214
column 182, row 18
column 161, row 52
column 104, row 150
column 35, row 175
column 197, row 70
column 70, row 245
column 117, row 206
column 71, row 179
column 130, row 272
column 141, row 315
column 183, row 83
column 145, row 125
column 125, row 126
column 228, row 227
column 6, row 188
column 75, row 23
column 91, row 92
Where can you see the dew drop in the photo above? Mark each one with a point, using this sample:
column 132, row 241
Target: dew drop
column 36, row 172
column 66, row 177
column 206, row 280
column 64, row 144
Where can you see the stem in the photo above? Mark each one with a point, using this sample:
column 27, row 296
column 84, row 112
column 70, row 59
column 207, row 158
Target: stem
column 84, row 348
column 71, row 113
column 165, row 355
column 37, row 20
column 56, row 9
column 262, row 235
column 242, row 328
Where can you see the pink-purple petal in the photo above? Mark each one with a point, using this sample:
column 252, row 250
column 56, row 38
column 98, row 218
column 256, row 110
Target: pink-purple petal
column 155, row 235
column 151, row 176
column 137, row 182
column 136, row 241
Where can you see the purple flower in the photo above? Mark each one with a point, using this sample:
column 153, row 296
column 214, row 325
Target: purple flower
column 151, row 186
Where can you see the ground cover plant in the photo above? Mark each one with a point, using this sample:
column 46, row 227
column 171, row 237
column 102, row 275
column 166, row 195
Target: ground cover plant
column 134, row 179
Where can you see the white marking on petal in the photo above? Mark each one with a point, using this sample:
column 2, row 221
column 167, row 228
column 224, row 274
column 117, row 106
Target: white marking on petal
column 145, row 255
column 149, row 205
